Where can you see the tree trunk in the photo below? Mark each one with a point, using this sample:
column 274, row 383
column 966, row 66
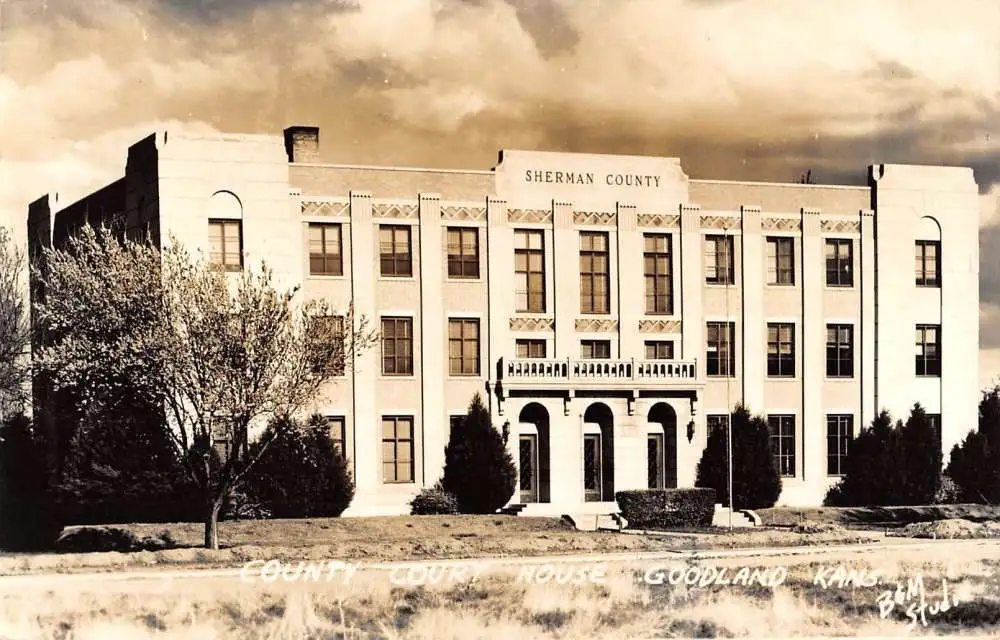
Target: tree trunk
column 212, row 524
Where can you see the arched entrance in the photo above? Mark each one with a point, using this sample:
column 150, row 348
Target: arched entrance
column 533, row 454
column 598, row 453
column 661, row 447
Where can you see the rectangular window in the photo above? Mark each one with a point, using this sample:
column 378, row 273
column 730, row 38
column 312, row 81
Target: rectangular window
column 839, row 262
column 720, row 356
column 839, row 351
column 783, row 444
column 530, row 348
column 934, row 419
column 395, row 250
column 595, row 349
column 658, row 270
column 717, row 422
column 595, row 281
column 928, row 263
column 659, row 350
column 928, row 360
column 397, row 346
column 326, row 335
column 338, row 433
column 454, row 424
column 839, row 431
column 397, row 449
column 463, row 252
column 780, row 350
column 529, row 271
column 463, row 347
column 225, row 241
column 781, row 261
column 719, row 260
column 326, row 256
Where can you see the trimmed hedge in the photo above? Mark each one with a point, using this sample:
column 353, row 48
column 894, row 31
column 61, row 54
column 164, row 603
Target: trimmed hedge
column 434, row 501
column 665, row 508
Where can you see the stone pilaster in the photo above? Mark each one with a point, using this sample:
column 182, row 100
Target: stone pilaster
column 367, row 439
column 432, row 332
column 810, row 344
column 565, row 280
column 630, row 301
column 751, row 332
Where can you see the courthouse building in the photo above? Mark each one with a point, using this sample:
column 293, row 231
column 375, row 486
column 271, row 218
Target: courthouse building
column 610, row 309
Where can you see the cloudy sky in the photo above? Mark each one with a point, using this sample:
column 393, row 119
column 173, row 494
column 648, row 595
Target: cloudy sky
column 752, row 89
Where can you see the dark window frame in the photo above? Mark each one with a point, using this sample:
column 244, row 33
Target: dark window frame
column 335, row 360
column 222, row 263
column 468, row 363
column 396, row 463
column 590, row 274
column 781, row 350
column 595, row 345
column 924, row 276
column 927, row 362
column 839, row 433
column 462, row 265
column 658, row 273
column 401, row 355
column 661, row 349
column 723, row 245
column 331, row 264
column 531, row 348
column 782, row 428
column 720, row 363
column 839, row 263
column 534, row 296
column 395, row 263
column 783, row 272
column 839, row 351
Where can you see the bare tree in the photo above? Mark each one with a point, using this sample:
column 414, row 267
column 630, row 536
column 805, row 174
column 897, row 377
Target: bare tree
column 15, row 335
column 220, row 352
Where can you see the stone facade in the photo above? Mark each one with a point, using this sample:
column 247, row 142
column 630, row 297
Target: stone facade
column 636, row 410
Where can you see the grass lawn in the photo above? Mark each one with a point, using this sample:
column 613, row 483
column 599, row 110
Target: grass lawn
column 500, row 605
column 405, row 538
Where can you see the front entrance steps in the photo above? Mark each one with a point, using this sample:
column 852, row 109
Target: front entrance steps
column 745, row 518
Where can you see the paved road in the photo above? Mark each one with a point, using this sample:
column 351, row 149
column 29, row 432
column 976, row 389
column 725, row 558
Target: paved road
column 334, row 575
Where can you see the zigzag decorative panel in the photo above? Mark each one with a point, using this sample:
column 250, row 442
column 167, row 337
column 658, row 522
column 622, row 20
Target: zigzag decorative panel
column 840, row 226
column 529, row 215
column 659, row 326
column 398, row 211
column 780, row 224
column 658, row 220
column 719, row 222
column 531, row 324
column 594, row 217
column 334, row 209
column 596, row 325
column 464, row 214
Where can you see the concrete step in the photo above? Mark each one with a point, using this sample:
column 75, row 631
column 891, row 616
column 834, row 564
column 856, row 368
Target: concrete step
column 721, row 518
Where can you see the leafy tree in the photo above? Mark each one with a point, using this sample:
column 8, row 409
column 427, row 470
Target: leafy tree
column 921, row 449
column 891, row 464
column 974, row 464
column 27, row 516
column 219, row 352
column 478, row 470
column 302, row 474
column 15, row 334
column 756, row 483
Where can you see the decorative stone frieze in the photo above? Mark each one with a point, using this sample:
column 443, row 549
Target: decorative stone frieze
column 596, row 325
column 531, row 324
column 463, row 214
column 839, row 226
column 594, row 218
column 396, row 211
column 659, row 326
column 332, row 209
column 529, row 215
column 660, row 220
column 780, row 224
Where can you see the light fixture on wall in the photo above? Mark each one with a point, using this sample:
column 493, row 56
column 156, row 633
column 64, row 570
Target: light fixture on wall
column 691, row 431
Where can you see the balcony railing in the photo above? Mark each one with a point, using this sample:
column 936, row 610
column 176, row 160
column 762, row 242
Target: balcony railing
column 570, row 369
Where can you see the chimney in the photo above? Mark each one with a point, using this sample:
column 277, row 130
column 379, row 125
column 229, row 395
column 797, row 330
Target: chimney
column 302, row 144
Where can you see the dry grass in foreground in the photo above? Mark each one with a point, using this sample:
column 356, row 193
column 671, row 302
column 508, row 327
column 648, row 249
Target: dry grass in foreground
column 499, row 606
column 407, row 538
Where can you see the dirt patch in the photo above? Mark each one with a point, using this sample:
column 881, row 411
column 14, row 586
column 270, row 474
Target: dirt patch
column 878, row 516
column 952, row 529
